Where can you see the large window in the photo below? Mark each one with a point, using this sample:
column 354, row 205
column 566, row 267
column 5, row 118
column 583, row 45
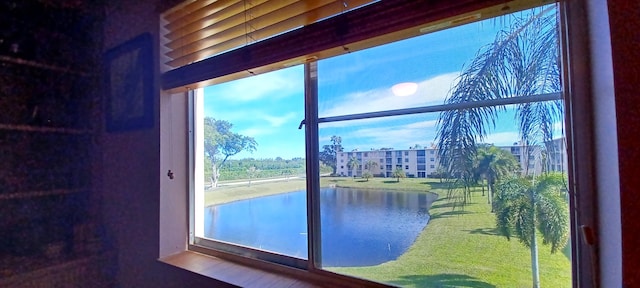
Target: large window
column 252, row 152
column 288, row 162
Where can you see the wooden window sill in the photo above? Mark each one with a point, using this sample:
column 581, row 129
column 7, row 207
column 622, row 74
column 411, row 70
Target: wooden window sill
column 231, row 272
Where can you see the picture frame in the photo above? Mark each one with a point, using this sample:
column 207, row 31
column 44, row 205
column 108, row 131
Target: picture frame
column 128, row 82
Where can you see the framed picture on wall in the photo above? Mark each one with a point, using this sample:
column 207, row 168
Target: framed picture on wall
column 128, row 79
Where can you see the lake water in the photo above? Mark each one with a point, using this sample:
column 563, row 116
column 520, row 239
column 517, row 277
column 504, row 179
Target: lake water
column 358, row 227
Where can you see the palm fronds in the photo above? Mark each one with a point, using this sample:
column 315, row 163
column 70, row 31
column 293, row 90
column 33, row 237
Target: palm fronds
column 523, row 60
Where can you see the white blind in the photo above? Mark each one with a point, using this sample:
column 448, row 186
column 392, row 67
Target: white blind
column 198, row 29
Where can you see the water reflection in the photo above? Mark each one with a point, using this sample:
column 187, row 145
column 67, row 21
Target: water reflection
column 359, row 227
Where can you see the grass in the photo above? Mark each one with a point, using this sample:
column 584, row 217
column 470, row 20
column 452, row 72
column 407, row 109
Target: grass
column 226, row 194
column 458, row 248
column 461, row 248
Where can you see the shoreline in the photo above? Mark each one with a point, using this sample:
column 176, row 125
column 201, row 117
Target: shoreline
column 236, row 191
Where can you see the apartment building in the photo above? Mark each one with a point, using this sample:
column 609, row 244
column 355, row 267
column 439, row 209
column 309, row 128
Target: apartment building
column 529, row 157
column 415, row 162
column 557, row 155
column 424, row 162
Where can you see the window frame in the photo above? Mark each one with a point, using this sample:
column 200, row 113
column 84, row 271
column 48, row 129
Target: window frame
column 574, row 233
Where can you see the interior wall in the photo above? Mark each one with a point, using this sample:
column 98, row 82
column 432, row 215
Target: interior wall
column 131, row 176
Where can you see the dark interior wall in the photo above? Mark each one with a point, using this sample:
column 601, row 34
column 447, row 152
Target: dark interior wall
column 625, row 41
column 48, row 207
column 130, row 176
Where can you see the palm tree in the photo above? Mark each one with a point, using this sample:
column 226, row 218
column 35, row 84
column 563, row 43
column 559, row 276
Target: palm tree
column 527, row 205
column 492, row 164
column 399, row 173
column 523, row 61
column 370, row 164
column 367, row 175
column 353, row 163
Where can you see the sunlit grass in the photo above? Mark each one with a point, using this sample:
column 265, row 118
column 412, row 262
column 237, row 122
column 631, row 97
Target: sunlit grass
column 461, row 248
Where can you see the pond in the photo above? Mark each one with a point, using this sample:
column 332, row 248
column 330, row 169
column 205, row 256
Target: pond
column 358, row 227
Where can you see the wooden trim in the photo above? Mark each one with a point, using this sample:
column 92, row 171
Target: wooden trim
column 241, row 271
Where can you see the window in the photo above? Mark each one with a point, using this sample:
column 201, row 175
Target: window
column 238, row 153
column 239, row 109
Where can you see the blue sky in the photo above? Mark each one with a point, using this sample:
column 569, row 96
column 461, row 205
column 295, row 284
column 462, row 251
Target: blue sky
column 269, row 107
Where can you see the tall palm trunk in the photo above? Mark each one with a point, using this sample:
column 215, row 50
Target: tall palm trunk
column 535, row 275
column 488, row 192
column 534, row 260
column 491, row 182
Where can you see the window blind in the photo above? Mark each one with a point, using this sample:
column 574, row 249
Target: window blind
column 199, row 29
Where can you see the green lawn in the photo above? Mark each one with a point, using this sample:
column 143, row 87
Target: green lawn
column 458, row 248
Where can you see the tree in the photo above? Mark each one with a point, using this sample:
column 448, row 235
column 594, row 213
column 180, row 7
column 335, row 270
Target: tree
column 399, row 173
column 493, row 163
column 252, row 172
column 353, row 164
column 370, row 164
column 367, row 175
column 220, row 144
column 441, row 173
column 523, row 61
column 328, row 154
column 525, row 206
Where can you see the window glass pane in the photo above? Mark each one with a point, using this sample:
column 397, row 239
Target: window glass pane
column 253, row 190
column 442, row 224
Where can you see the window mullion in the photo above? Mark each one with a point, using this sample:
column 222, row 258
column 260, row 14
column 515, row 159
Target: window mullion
column 446, row 107
column 313, row 169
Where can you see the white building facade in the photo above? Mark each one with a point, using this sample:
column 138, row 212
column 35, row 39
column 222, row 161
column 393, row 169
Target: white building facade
column 416, row 163
column 424, row 162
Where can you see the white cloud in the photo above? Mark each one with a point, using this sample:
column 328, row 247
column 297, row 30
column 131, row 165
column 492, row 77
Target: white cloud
column 277, row 121
column 269, row 85
column 255, row 132
column 399, row 137
column 423, row 124
column 430, row 91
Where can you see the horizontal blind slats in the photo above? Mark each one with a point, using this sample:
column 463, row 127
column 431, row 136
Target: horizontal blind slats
column 218, row 24
column 190, row 8
column 208, row 16
column 216, row 27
